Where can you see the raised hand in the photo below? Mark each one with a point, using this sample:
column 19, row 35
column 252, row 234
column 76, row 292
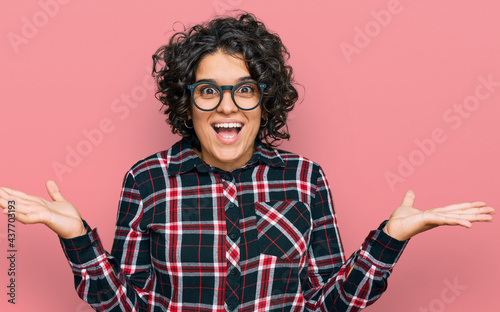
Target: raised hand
column 407, row 221
column 59, row 215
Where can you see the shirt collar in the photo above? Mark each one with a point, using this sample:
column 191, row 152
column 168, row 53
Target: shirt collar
column 182, row 158
column 270, row 157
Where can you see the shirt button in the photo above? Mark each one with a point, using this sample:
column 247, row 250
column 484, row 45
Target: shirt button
column 231, row 205
column 234, row 272
column 230, row 306
column 233, row 236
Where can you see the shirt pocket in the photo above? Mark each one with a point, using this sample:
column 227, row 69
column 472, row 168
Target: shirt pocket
column 283, row 228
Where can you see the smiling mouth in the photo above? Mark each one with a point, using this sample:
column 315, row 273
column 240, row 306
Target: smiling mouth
column 227, row 130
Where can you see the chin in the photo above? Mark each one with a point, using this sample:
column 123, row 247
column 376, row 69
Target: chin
column 229, row 156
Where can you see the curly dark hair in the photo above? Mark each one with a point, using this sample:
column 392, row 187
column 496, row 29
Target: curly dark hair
column 175, row 66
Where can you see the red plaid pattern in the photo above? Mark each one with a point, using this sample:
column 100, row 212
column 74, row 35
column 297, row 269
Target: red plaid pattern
column 264, row 237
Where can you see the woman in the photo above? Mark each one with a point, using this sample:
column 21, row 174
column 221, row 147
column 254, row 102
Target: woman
column 222, row 220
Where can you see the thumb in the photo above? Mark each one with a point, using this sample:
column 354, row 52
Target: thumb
column 54, row 191
column 409, row 198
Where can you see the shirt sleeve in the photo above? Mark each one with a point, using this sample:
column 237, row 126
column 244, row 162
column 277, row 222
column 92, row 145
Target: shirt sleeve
column 330, row 286
column 120, row 281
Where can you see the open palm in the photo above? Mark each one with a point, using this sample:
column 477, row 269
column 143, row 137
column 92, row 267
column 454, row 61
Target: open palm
column 407, row 221
column 59, row 215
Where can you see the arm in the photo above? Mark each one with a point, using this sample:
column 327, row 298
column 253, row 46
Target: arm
column 121, row 281
column 117, row 282
column 337, row 284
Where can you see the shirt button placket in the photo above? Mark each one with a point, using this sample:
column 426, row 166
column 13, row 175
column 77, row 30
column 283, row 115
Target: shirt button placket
column 233, row 235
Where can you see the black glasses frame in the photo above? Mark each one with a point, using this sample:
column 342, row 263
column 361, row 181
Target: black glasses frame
column 221, row 89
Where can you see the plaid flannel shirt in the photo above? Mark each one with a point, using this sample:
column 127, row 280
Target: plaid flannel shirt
column 264, row 237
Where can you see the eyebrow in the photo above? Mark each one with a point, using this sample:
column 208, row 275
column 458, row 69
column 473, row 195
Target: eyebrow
column 241, row 79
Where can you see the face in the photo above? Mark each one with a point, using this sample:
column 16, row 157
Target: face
column 227, row 134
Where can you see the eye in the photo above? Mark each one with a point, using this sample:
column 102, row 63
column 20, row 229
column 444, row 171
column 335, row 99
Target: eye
column 207, row 90
column 248, row 89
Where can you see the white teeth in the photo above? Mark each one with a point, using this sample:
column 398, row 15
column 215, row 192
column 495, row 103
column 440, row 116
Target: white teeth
column 228, row 125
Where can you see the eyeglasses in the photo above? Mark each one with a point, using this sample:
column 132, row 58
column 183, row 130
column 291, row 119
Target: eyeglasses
column 207, row 96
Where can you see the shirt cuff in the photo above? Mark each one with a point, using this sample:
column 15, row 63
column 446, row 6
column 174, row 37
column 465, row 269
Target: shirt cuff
column 383, row 247
column 83, row 250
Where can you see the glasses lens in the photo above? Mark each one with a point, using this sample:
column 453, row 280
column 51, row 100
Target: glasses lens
column 247, row 95
column 206, row 96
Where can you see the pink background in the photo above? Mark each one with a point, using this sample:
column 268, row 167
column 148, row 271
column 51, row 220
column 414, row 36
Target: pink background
column 378, row 84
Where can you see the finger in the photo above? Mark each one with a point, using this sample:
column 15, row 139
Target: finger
column 17, row 196
column 8, row 193
column 23, row 209
column 442, row 219
column 23, row 205
column 4, row 203
column 463, row 207
column 27, row 218
column 481, row 210
column 456, row 219
column 409, row 198
column 54, row 191
column 14, row 213
column 471, row 217
column 10, row 202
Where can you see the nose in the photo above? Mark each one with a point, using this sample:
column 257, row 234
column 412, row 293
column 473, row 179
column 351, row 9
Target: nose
column 227, row 106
